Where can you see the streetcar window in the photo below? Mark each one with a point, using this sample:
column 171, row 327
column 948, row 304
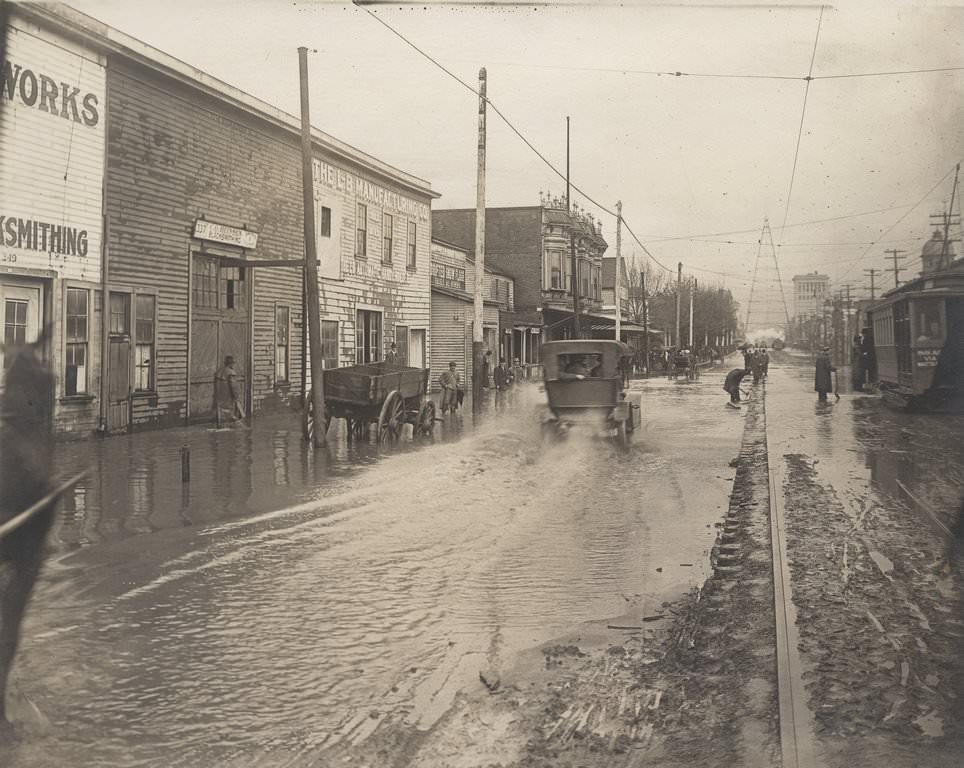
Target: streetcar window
column 928, row 321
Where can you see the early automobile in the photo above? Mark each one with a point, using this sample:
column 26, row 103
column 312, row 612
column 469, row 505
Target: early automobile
column 585, row 383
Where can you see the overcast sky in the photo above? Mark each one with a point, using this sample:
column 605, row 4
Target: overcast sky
column 688, row 156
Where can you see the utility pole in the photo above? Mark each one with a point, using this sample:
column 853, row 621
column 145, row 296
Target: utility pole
column 619, row 266
column 679, row 285
column 873, row 273
column 477, row 382
column 692, row 295
column 897, row 270
column 642, row 281
column 576, row 331
column 311, row 260
column 947, row 218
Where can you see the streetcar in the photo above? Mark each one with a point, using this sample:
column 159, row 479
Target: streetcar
column 918, row 333
column 585, row 383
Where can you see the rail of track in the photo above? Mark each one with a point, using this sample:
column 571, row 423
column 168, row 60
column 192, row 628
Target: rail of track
column 796, row 736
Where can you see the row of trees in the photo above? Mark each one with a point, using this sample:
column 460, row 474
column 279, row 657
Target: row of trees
column 652, row 298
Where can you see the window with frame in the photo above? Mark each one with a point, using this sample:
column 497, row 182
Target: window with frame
column 324, row 228
column 361, row 231
column 78, row 326
column 281, row 343
column 232, row 282
column 119, row 314
column 556, row 261
column 204, row 282
column 388, row 224
column 14, row 325
column 401, row 343
column 368, row 336
column 329, row 344
column 410, row 246
column 144, row 339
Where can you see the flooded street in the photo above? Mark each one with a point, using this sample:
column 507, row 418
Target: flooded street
column 285, row 603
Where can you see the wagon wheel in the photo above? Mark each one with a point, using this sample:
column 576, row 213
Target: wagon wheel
column 425, row 421
column 390, row 420
column 308, row 422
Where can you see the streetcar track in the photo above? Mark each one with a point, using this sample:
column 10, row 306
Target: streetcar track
column 796, row 735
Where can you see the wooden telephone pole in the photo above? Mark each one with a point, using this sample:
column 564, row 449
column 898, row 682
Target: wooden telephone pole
column 894, row 253
column 576, row 330
column 619, row 267
column 679, row 288
column 311, row 261
column 873, row 273
column 477, row 383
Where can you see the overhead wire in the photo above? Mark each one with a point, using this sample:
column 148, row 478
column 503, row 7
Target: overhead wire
column 808, row 79
column 894, row 225
column 803, row 114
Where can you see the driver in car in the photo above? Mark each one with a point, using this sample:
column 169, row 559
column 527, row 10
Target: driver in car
column 577, row 369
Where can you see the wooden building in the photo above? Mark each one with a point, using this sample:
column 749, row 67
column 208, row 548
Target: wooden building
column 453, row 311
column 202, row 210
column 52, row 137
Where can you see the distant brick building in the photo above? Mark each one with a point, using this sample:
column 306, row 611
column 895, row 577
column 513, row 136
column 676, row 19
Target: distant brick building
column 531, row 245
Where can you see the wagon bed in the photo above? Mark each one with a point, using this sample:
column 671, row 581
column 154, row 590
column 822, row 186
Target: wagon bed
column 386, row 394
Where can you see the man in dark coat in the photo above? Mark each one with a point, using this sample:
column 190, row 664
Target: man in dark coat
column 732, row 385
column 822, row 380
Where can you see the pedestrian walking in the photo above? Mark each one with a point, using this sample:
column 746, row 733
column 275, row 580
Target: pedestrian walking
column 857, row 370
column 502, row 376
column 731, row 385
column 392, row 355
column 486, row 369
column 765, row 359
column 227, row 398
column 822, row 381
column 451, row 385
column 756, row 365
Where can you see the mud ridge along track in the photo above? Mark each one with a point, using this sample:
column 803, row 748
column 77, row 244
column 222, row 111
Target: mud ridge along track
column 796, row 737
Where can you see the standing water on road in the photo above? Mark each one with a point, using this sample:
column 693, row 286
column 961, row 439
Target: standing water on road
column 291, row 603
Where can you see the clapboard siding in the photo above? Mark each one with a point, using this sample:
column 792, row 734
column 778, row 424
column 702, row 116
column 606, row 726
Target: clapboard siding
column 173, row 158
column 451, row 323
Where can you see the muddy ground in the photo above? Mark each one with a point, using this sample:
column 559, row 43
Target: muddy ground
column 881, row 630
column 690, row 685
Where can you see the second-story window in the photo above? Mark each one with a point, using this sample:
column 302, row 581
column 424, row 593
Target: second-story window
column 410, row 246
column 361, row 231
column 388, row 224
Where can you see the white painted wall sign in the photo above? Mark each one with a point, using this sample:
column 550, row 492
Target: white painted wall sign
column 51, row 154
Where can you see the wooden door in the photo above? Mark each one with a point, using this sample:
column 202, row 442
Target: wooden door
column 416, row 348
column 21, row 308
column 119, row 362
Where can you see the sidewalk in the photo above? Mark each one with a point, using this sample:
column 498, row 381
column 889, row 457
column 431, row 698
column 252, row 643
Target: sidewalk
column 867, row 493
